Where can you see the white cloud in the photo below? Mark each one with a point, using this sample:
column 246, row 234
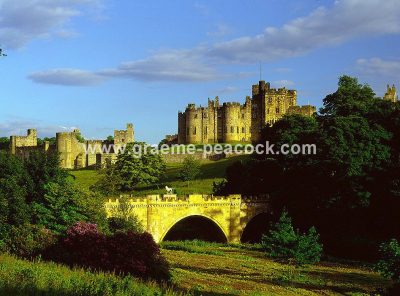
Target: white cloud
column 379, row 67
column 69, row 77
column 23, row 21
column 172, row 65
column 19, row 127
column 347, row 19
column 343, row 21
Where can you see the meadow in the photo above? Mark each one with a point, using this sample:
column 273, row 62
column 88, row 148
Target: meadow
column 211, row 171
column 197, row 268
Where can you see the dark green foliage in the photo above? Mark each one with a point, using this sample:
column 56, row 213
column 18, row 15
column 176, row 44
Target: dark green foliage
column 130, row 223
column 137, row 164
column 284, row 243
column 389, row 263
column 59, row 208
column 14, row 181
column 36, row 198
column 190, row 169
column 52, row 141
column 28, row 240
column 355, row 174
column 145, row 167
column 4, row 143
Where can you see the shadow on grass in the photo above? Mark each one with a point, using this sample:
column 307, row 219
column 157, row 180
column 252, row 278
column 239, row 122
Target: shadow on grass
column 311, row 280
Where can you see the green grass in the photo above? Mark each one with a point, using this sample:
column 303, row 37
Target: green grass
column 197, row 268
column 211, row 171
column 218, row 269
column 20, row 277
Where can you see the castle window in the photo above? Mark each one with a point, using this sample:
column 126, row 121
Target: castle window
column 195, row 116
column 232, row 129
column 243, row 130
column 268, row 111
column 194, row 130
column 277, row 110
column 242, row 115
column 237, row 129
column 270, row 100
column 205, row 131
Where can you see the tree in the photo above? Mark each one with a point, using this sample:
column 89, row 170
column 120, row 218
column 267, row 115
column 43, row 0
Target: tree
column 109, row 182
column 286, row 244
column 110, row 139
column 351, row 98
column 389, row 263
column 190, row 169
column 139, row 164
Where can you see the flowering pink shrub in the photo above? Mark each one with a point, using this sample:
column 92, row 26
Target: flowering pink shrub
column 123, row 253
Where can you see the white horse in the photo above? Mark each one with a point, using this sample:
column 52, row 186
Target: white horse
column 169, row 190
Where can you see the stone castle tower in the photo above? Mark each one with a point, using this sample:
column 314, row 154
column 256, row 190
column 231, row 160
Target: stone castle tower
column 391, row 94
column 233, row 122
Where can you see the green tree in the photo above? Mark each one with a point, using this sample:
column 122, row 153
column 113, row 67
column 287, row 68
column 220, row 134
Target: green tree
column 139, row 164
column 124, row 218
column 389, row 263
column 109, row 182
column 284, row 243
column 190, row 169
column 351, row 98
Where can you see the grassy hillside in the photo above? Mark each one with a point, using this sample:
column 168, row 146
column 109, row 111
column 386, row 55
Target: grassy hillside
column 211, row 171
column 197, row 269
column 23, row 278
column 233, row 270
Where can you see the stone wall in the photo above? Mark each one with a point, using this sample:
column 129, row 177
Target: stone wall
column 28, row 141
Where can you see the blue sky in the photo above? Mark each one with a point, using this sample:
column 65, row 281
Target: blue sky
column 98, row 64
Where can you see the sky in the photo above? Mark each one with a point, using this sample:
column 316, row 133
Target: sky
column 99, row 64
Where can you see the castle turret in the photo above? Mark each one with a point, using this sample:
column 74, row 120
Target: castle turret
column 124, row 136
column 391, row 94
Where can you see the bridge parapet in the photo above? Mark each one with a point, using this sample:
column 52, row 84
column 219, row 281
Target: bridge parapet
column 167, row 198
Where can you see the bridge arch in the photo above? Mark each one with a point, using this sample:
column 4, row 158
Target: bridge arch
column 255, row 226
column 202, row 216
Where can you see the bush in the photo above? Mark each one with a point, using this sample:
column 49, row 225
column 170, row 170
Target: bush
column 125, row 253
column 389, row 264
column 286, row 244
column 130, row 223
column 28, row 240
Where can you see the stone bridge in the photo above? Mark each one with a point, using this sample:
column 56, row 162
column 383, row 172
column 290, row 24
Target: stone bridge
column 158, row 214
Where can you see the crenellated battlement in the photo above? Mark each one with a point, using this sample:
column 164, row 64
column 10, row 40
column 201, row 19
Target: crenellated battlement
column 192, row 198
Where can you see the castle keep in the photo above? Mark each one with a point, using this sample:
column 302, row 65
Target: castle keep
column 75, row 153
column 233, row 122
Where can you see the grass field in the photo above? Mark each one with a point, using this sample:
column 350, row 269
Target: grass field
column 232, row 270
column 211, row 171
column 197, row 269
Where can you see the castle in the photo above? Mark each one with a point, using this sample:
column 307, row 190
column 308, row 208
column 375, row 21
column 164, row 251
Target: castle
column 233, row 122
column 391, row 94
column 75, row 153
